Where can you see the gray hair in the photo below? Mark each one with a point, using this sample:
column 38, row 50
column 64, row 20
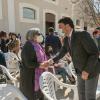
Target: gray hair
column 31, row 33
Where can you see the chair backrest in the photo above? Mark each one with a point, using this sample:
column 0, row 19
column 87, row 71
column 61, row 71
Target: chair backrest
column 47, row 86
column 48, row 81
column 5, row 71
column 72, row 69
column 7, row 91
column 12, row 61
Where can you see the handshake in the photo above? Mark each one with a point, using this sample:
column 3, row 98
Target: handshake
column 46, row 64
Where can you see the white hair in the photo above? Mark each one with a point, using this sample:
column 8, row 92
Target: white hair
column 31, row 33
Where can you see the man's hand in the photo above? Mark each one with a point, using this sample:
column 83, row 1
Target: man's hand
column 85, row 75
column 57, row 65
column 47, row 63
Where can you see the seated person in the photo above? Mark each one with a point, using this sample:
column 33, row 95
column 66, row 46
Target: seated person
column 12, row 57
column 59, row 69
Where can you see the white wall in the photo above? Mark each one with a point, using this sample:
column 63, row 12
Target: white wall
column 11, row 15
column 0, row 9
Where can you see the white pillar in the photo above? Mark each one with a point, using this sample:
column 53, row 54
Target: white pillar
column 73, row 5
column 0, row 9
column 11, row 15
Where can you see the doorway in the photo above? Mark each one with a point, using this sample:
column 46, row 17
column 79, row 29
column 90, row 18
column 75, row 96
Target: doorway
column 49, row 21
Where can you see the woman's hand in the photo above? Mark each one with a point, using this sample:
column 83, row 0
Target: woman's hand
column 45, row 64
column 85, row 75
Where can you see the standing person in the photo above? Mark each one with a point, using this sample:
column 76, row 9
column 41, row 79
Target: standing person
column 52, row 43
column 4, row 41
column 2, row 62
column 98, row 38
column 84, row 55
column 2, row 59
column 95, row 37
column 19, row 36
column 98, row 30
column 32, row 57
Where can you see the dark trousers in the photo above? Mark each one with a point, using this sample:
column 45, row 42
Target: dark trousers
column 87, row 88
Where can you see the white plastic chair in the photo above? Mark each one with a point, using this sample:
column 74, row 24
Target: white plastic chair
column 47, row 85
column 68, row 67
column 8, row 91
column 6, row 71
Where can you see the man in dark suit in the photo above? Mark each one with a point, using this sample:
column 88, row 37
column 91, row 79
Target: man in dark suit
column 84, row 55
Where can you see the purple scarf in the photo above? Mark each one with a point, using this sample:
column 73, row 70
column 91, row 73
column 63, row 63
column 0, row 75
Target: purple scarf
column 41, row 56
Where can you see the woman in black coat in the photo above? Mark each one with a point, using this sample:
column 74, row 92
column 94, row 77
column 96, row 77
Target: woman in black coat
column 30, row 63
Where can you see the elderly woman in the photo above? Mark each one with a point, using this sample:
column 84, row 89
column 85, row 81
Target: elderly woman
column 32, row 57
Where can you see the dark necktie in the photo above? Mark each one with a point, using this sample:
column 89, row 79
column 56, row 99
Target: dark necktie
column 69, row 44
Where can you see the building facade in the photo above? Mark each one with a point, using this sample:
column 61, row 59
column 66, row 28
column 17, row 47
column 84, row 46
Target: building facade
column 20, row 15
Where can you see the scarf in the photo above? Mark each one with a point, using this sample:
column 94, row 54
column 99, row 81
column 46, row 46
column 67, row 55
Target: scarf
column 41, row 57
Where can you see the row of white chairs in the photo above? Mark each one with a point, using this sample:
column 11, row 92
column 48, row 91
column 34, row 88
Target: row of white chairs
column 48, row 81
column 9, row 91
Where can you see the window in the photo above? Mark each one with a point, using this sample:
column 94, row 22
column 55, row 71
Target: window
column 0, row 9
column 52, row 1
column 29, row 13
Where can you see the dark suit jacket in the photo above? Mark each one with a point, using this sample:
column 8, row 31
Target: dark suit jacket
column 2, row 59
column 54, row 42
column 83, row 51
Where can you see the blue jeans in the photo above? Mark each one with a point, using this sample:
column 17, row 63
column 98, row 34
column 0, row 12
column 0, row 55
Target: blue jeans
column 87, row 88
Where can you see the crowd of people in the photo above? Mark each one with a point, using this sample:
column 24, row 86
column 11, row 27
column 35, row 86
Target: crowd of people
column 33, row 58
column 28, row 59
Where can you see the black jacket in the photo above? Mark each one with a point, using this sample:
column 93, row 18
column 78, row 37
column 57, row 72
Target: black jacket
column 27, row 72
column 28, row 56
column 84, row 52
column 2, row 59
column 54, row 42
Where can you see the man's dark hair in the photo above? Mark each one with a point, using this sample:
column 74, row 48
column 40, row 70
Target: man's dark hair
column 3, row 34
column 67, row 20
column 51, row 29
